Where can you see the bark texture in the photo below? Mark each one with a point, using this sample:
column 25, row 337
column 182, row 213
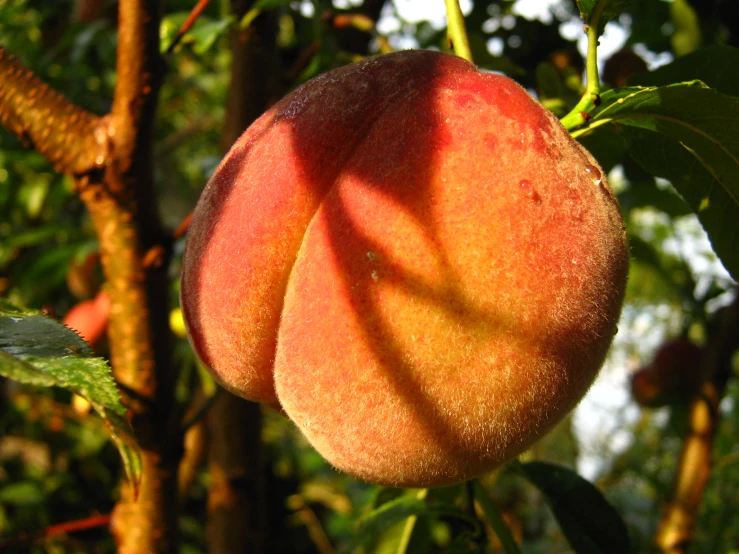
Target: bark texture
column 677, row 528
column 110, row 158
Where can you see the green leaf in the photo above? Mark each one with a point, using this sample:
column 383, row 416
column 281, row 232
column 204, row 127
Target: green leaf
column 590, row 523
column 389, row 514
column 643, row 191
column 23, row 493
column 687, row 133
column 35, row 236
column 406, row 512
column 548, row 82
column 494, row 517
column 397, row 538
column 686, row 36
column 601, row 12
column 169, row 27
column 205, row 34
column 607, row 145
column 717, row 209
column 642, row 194
column 25, row 333
column 714, row 65
column 257, row 8
column 269, row 4
column 657, row 277
column 645, row 253
column 38, row 350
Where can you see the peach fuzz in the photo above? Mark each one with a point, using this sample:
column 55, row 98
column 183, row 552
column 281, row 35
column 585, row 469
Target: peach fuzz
column 415, row 261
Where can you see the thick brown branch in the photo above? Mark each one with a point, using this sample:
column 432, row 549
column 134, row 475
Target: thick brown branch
column 141, row 363
column 112, row 159
column 70, row 137
column 677, row 527
column 123, row 207
column 236, row 510
column 124, row 210
column 255, row 72
column 139, row 68
column 678, row 521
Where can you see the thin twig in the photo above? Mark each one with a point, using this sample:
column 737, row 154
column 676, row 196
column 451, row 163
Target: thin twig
column 57, row 529
column 182, row 227
column 189, row 22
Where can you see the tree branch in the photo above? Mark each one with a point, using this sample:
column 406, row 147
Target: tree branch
column 677, row 528
column 112, row 161
column 140, row 68
column 70, row 137
column 123, row 208
column 57, row 529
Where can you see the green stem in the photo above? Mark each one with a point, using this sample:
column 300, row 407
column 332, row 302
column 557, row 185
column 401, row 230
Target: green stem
column 591, row 98
column 249, row 16
column 582, row 131
column 456, row 32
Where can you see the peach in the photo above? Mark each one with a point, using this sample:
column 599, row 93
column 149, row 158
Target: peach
column 674, row 376
column 90, row 318
column 415, row 261
column 85, row 276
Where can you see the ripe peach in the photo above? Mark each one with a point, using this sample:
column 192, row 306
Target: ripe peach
column 673, row 376
column 85, row 276
column 621, row 66
column 415, row 260
column 90, row 318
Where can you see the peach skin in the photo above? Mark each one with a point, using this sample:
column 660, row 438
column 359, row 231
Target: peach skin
column 415, row 261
